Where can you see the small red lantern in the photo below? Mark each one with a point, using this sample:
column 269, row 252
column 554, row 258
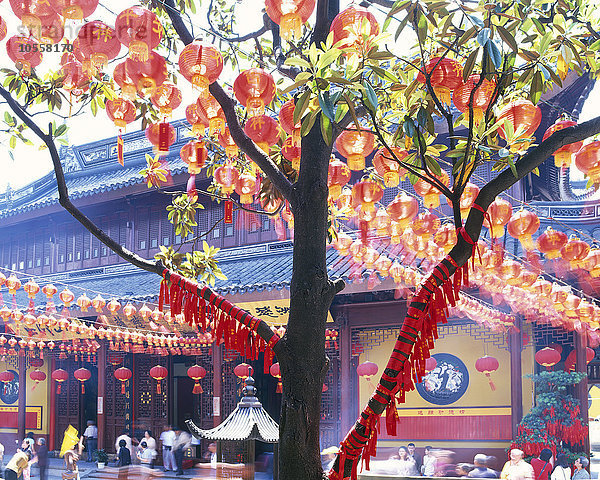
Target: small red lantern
column 286, row 120
column 487, row 365
column 355, row 145
column 148, row 75
column 194, row 119
column 575, row 251
column 388, row 167
column 367, row 370
column 31, row 288
column 592, row 263
column 430, row 194
column 290, row 15
column 524, row 117
column 13, row 284
column 99, row 43
column 481, row 97
column 547, row 357
column 245, row 187
column 201, row 64
column 255, row 89
column 347, row 26
column 243, row 371
column 226, row 177
column 24, row 52
column 291, row 152
column 262, row 130
column 522, row 225
column 75, row 9
column 367, row 193
column 67, row 297
column 6, row 377
column 194, row 154
column 83, row 375
column 562, row 156
column 36, row 363
column 140, row 30
column 550, row 243
column 3, row 29
column 196, row 373
column 210, row 112
column 166, row 97
column 587, row 159
column 158, row 373
column 403, row 209
column 446, row 75
column 162, row 136
column 37, row 376
column 227, row 142
column 123, row 374
column 124, row 80
column 276, row 372
column 338, row 175
column 129, row 310
column 499, row 213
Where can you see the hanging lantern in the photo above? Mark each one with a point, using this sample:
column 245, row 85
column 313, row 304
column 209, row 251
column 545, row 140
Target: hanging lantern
column 51, row 30
column 445, row 237
column 113, row 306
column 13, row 284
column 6, row 377
column 290, row 15
column 381, row 223
column 195, row 120
column 481, row 97
column 383, row 265
column 245, row 187
column 446, row 76
column 575, row 252
column 32, row 289
column 201, row 64
column 255, row 89
column 587, row 159
column 347, row 27
column 522, row 225
column 425, row 225
column 194, row 154
column 37, row 376
column 67, row 297
column 99, row 43
column 274, row 370
column 292, row 153
column 24, row 52
column 367, row 370
column 487, row 365
column 211, row 113
column 562, row 156
column 227, row 142
column 388, row 167
column 121, row 112
column 525, row 117
column 262, row 130
column 196, row 373
column 124, row 80
column 467, row 199
column 166, row 97
column 226, row 177
column 147, row 75
column 75, row 9
column 592, row 263
column 498, row 214
column 83, row 302
column 342, row 243
column 430, row 194
column 162, row 136
column 3, row 29
column 550, row 243
column 355, row 145
column 403, row 209
column 286, row 120
column 158, row 373
column 122, row 374
column 31, row 12
column 367, row 193
column 129, row 310
column 82, row 374
column 140, row 30
column 338, row 175
column 243, row 371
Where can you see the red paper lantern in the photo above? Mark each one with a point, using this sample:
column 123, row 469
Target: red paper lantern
column 166, row 97
column 201, row 64
column 140, row 30
column 51, row 30
column 227, row 142
column 211, row 113
column 36, row 363
column 13, row 284
column 245, row 187
column 522, row 225
column 158, row 373
column 592, row 263
column 403, row 209
column 425, row 225
column 123, row 374
column 575, row 251
column 83, row 375
column 99, row 43
column 388, row 167
column 30, row 12
column 24, row 52
column 194, row 119
column 445, row 237
column 255, row 89
column 147, row 75
column 524, row 116
column 196, row 373
column 37, row 376
column 587, row 159
column 162, row 136
column 481, row 98
column 120, row 111
column 226, row 177
column 3, row 29
column 562, row 156
column 124, row 80
column 367, row 193
column 550, row 243
column 446, row 75
column 342, row 243
column 194, row 154
column 290, row 15
column 291, row 152
column 262, row 130
column 286, row 120
column 487, row 365
column 367, row 370
column 355, row 145
column 338, row 175
column 430, row 194
column 6, row 377
column 75, row 9
column 31, row 288
column 347, row 27
column 243, row 371
column 275, row 371
column 498, row 214
column 547, row 357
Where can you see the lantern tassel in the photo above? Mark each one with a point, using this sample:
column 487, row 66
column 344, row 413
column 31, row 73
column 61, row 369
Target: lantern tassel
column 158, row 392
column 58, row 389
column 197, row 388
column 191, row 191
column 123, row 388
column 82, row 388
column 491, row 382
column 279, row 387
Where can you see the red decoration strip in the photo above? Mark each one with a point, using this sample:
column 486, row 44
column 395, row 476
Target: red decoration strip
column 228, row 216
column 120, row 150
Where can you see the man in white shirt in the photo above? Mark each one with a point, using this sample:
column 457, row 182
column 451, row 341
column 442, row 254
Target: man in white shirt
column 167, row 439
column 124, row 436
column 182, row 442
column 91, row 438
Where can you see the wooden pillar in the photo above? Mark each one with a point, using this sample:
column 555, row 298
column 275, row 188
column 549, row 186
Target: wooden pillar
column 515, row 343
column 347, row 415
column 22, row 397
column 52, row 412
column 581, row 389
column 100, row 406
column 217, row 383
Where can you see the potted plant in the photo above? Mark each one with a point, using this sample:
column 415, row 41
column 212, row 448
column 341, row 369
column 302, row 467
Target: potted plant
column 102, row 458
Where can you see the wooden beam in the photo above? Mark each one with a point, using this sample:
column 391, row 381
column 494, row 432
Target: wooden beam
column 581, row 389
column 515, row 343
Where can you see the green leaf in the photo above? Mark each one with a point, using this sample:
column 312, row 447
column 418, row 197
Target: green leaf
column 60, row 130
column 13, row 141
column 495, row 54
column 422, row 29
column 537, row 86
column 328, row 58
column 385, row 74
column 508, row 38
column 370, row 97
column 326, row 130
column 470, row 64
column 94, row 106
column 301, row 105
column 326, row 105
column 308, row 121
column 483, row 36
column 511, row 163
column 297, row 62
column 403, row 24
column 433, row 165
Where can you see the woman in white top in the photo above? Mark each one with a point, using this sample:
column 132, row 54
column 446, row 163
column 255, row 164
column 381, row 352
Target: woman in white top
column 406, row 465
column 562, row 470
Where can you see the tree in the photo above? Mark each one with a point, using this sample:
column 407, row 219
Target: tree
column 554, row 421
column 357, row 79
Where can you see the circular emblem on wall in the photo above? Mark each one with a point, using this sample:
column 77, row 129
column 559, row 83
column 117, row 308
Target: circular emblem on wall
column 9, row 392
column 447, row 382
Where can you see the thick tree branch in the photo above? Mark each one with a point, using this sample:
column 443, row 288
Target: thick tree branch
column 321, row 29
column 239, row 38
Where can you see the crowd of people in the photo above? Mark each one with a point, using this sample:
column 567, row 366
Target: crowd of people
column 28, row 453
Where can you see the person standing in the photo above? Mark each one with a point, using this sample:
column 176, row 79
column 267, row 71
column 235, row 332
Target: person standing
column 124, row 455
column 517, row 468
column 541, row 465
column 91, row 439
column 42, row 457
column 182, row 441
column 561, row 471
column 151, row 445
column 428, row 466
column 580, row 469
column 167, row 438
column 412, row 453
column 127, row 439
column 18, row 463
column 481, row 469
column 405, row 465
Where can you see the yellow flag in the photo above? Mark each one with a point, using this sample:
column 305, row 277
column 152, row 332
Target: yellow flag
column 70, row 439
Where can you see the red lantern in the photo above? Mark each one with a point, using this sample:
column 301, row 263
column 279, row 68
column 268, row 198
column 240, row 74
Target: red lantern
column 575, row 251
column 13, row 284
column 286, row 120
column 355, row 145
column 262, row 130
column 522, row 225
column 120, row 111
column 196, row 373
column 82, row 374
column 342, row 243
column 338, row 175
column 194, row 119
column 124, row 80
column 158, row 373
column 347, row 27
column 587, row 159
column 487, row 365
column 226, row 177
column 194, row 154
column 367, row 370
column 123, row 374
column 550, row 243
column 25, row 52
column 51, row 30
column 148, row 75
column 245, row 187
column 3, row 29
column 200, row 64
column 255, row 89
column 227, row 142
column 403, row 209
column 6, row 377
column 75, row 9
column 99, row 43
column 37, row 376
column 525, row 117
column 67, row 297
column 162, row 136
column 367, row 193
column 30, row 12
column 430, row 194
column 445, row 237
column 498, row 215
column 36, row 363
column 592, row 263
column 446, row 75
column 388, row 167
column 211, row 113
column 425, row 225
column 547, row 357
column 275, row 371
column 290, row 15
column 481, row 97
column 291, row 152
column 31, row 288
column 140, row 30
column 166, row 97
column 129, row 310
column 243, row 371
column 562, row 156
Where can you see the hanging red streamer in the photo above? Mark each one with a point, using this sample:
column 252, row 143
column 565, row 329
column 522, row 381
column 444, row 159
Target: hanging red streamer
column 228, row 216
column 120, row 149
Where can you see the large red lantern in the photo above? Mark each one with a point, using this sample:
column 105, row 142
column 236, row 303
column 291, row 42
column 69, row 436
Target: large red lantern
column 162, row 136
column 99, row 43
column 51, row 30
column 481, row 98
column 446, row 75
column 562, row 156
column 243, row 371
column 166, row 97
column 550, row 243
column 347, row 27
column 575, row 252
column 367, row 370
column 547, row 357
column 525, row 117
column 123, row 374
column 6, row 377
column 387, row 165
column 210, row 112
column 430, row 193
column 59, row 376
column 487, row 365
column 201, row 64
column 290, row 15
column 158, row 373
column 120, row 111
column 355, row 145
column 522, row 225
column 467, row 199
column 31, row 12
column 425, row 225
column 403, row 209
column 286, row 120
column 25, row 52
column 75, row 9
column 226, row 177
column 255, row 89
column 498, row 215
column 263, row 130
column 275, row 371
column 124, row 80
column 147, row 75
column 246, row 187
column 37, row 376
column 587, row 159
column 194, row 154
column 592, row 263
column 196, row 373
column 367, row 193
column 83, row 375
column 140, row 30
